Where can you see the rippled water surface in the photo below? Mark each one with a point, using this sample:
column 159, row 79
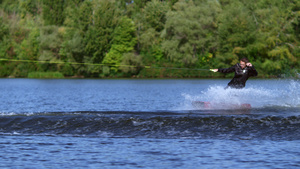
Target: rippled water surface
column 148, row 124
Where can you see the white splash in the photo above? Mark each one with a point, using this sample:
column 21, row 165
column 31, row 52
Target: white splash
column 259, row 97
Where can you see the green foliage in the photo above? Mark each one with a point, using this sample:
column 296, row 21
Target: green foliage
column 51, row 39
column 72, row 50
column 99, row 35
column 155, row 14
column 79, row 15
column 190, row 31
column 4, row 31
column 236, row 27
column 276, row 22
column 27, row 50
column 123, row 42
column 45, row 75
column 29, row 47
column 123, row 38
column 151, row 24
column 28, row 6
column 124, row 35
column 53, row 12
column 113, row 58
column 149, row 38
column 10, row 6
column 131, row 63
column 67, row 70
column 7, row 49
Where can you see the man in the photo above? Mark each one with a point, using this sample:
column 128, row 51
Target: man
column 242, row 70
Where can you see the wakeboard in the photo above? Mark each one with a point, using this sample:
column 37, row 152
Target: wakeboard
column 209, row 105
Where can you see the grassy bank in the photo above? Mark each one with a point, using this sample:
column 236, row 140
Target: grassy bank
column 46, row 75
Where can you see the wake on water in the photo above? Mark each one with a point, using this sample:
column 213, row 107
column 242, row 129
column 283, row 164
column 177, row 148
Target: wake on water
column 258, row 97
column 177, row 124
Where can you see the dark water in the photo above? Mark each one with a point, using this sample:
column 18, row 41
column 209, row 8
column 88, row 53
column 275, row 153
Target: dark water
column 148, row 124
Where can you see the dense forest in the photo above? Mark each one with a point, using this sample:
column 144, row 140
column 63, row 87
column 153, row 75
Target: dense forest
column 147, row 38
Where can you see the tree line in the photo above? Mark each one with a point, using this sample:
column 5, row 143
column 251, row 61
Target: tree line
column 147, row 38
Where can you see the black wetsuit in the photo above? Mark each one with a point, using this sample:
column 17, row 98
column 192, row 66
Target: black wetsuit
column 240, row 76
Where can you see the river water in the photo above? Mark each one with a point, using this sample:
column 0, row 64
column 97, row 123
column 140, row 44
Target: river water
column 98, row 123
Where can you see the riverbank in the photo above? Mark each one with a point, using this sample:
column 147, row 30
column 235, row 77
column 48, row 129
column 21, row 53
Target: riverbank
column 149, row 74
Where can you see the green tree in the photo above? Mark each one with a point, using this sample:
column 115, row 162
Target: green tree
column 236, row 31
column 53, row 12
column 10, row 6
column 190, row 31
column 79, row 15
column 51, row 39
column 99, row 35
column 6, row 49
column 29, row 6
column 132, row 63
column 72, row 50
column 151, row 24
column 28, row 50
column 276, row 42
column 124, row 40
column 4, row 30
column 155, row 15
